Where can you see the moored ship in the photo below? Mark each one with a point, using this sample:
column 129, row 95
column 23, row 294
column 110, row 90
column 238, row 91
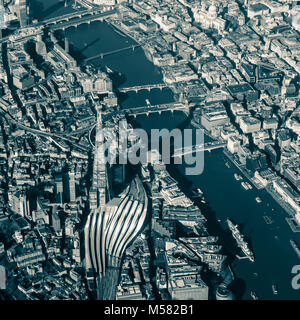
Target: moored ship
column 253, row 295
column 295, row 247
column 244, row 185
column 275, row 289
column 197, row 193
column 242, row 244
column 258, row 200
column 237, row 177
column 248, row 185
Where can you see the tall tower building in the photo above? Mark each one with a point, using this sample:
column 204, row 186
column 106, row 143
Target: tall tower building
column 99, row 185
column 72, row 186
column 56, row 223
column 59, row 188
column 24, row 205
column 2, row 17
column 67, row 45
column 22, row 12
column 40, row 46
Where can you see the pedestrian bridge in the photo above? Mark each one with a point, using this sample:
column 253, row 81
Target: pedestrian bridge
column 104, row 54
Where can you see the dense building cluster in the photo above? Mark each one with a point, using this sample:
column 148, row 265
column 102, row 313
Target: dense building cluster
column 72, row 227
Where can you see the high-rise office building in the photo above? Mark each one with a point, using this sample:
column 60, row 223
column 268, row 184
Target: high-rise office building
column 72, row 186
column 99, row 183
column 59, row 188
column 67, row 45
column 22, row 12
column 40, row 46
column 24, row 205
column 2, row 17
column 56, row 223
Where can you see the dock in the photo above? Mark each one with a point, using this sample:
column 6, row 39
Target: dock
column 256, row 183
column 241, row 258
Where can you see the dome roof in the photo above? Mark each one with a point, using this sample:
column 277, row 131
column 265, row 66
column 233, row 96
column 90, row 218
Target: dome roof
column 222, row 293
column 212, row 9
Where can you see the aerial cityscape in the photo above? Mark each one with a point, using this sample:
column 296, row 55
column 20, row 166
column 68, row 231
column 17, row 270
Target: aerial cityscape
column 149, row 150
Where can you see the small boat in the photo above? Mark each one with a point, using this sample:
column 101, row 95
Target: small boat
column 244, row 185
column 200, row 191
column 275, row 289
column 237, row 177
column 248, row 185
column 108, row 70
column 258, row 200
column 253, row 295
column 295, row 247
column 196, row 193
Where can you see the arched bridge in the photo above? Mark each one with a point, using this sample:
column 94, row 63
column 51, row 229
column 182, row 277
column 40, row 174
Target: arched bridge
column 156, row 108
column 78, row 14
column 75, row 22
column 148, row 87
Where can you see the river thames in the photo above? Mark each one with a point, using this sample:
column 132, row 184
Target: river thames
column 225, row 198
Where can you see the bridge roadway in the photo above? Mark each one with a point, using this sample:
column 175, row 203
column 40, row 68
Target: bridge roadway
column 77, row 14
column 92, row 14
column 148, row 87
column 42, row 133
column 76, row 22
column 209, row 146
column 155, row 108
column 102, row 55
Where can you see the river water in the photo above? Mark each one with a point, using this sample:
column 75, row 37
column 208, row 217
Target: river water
column 274, row 258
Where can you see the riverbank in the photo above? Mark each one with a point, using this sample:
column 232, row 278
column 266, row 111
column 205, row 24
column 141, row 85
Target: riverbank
column 243, row 170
